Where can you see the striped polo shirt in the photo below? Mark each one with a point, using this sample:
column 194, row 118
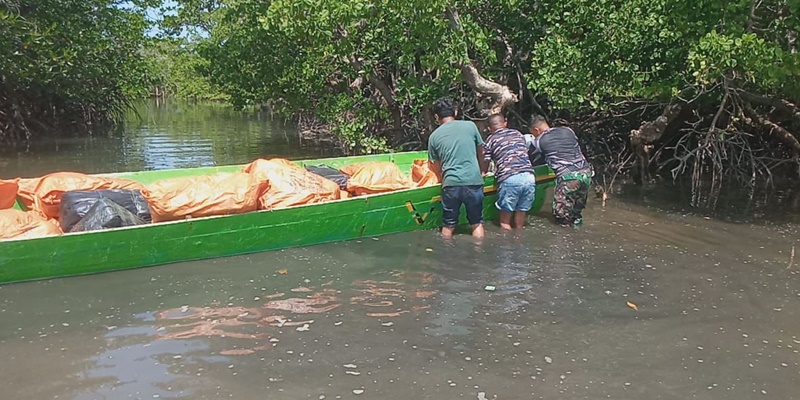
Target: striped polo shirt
column 509, row 151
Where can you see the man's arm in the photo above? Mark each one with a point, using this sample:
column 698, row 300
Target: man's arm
column 434, row 163
column 483, row 158
column 436, row 167
column 483, row 155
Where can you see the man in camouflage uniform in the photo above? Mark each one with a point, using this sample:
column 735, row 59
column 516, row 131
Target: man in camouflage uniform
column 561, row 150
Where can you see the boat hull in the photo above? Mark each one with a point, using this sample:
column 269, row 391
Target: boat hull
column 212, row 237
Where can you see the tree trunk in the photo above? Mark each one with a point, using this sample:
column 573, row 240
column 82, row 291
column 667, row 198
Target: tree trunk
column 386, row 93
column 781, row 104
column 642, row 139
column 784, row 135
column 499, row 96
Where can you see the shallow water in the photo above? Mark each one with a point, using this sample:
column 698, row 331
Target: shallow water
column 645, row 301
column 717, row 317
column 163, row 136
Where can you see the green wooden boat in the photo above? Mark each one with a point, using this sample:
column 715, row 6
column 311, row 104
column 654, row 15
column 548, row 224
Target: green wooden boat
column 211, row 237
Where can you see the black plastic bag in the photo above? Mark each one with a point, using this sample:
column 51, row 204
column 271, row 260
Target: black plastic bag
column 330, row 173
column 75, row 205
column 106, row 214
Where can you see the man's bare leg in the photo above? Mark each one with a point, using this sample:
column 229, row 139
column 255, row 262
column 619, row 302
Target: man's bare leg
column 477, row 231
column 519, row 219
column 505, row 221
column 447, row 232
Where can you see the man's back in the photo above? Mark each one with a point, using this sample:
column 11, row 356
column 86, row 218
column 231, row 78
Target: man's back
column 509, row 151
column 454, row 144
column 561, row 150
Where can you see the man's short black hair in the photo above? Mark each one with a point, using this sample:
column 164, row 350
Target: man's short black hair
column 444, row 107
column 536, row 119
column 496, row 119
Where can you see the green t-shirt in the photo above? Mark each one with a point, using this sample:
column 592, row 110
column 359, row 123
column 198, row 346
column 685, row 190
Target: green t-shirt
column 454, row 145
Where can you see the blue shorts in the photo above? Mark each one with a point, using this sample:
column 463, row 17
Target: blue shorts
column 452, row 199
column 516, row 193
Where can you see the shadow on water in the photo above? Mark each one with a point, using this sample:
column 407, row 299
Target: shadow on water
column 779, row 203
column 161, row 136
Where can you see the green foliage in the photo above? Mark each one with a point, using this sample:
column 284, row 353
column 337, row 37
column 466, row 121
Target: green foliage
column 596, row 52
column 391, row 56
column 352, row 127
column 372, row 68
column 754, row 61
column 68, row 61
column 175, row 66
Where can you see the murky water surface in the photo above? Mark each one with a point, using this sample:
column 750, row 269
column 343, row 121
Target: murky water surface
column 163, row 136
column 641, row 303
column 638, row 304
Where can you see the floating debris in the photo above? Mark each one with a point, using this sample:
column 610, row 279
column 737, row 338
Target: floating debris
column 350, row 366
column 489, row 288
column 430, row 250
column 387, row 323
column 632, row 305
column 282, row 272
column 358, row 391
column 387, row 315
column 303, row 328
column 548, row 360
column 184, row 309
column 354, row 373
column 337, row 323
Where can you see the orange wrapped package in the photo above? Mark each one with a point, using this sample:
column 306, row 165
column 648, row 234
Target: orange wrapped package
column 26, row 189
column 16, row 224
column 422, row 175
column 375, row 177
column 8, row 193
column 44, row 194
column 203, row 196
column 290, row 184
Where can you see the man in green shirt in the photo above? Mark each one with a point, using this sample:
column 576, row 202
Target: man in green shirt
column 454, row 149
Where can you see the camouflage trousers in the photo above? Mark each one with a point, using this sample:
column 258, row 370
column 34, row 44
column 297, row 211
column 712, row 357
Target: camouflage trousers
column 569, row 198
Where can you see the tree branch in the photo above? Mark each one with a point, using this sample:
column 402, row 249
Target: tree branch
column 772, row 102
column 501, row 95
column 782, row 133
column 651, row 131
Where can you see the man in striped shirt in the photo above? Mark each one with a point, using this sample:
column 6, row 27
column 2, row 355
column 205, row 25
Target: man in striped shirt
column 513, row 172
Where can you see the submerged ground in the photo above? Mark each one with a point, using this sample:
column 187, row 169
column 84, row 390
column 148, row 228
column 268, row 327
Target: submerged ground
column 639, row 304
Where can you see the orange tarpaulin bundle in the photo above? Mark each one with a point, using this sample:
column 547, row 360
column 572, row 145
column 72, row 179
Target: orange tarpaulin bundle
column 44, row 194
column 17, row 224
column 290, row 184
column 8, row 193
column 25, row 191
column 202, row 196
column 422, row 175
column 375, row 177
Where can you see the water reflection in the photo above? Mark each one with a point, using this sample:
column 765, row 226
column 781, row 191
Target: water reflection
column 143, row 371
column 377, row 299
column 162, row 136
